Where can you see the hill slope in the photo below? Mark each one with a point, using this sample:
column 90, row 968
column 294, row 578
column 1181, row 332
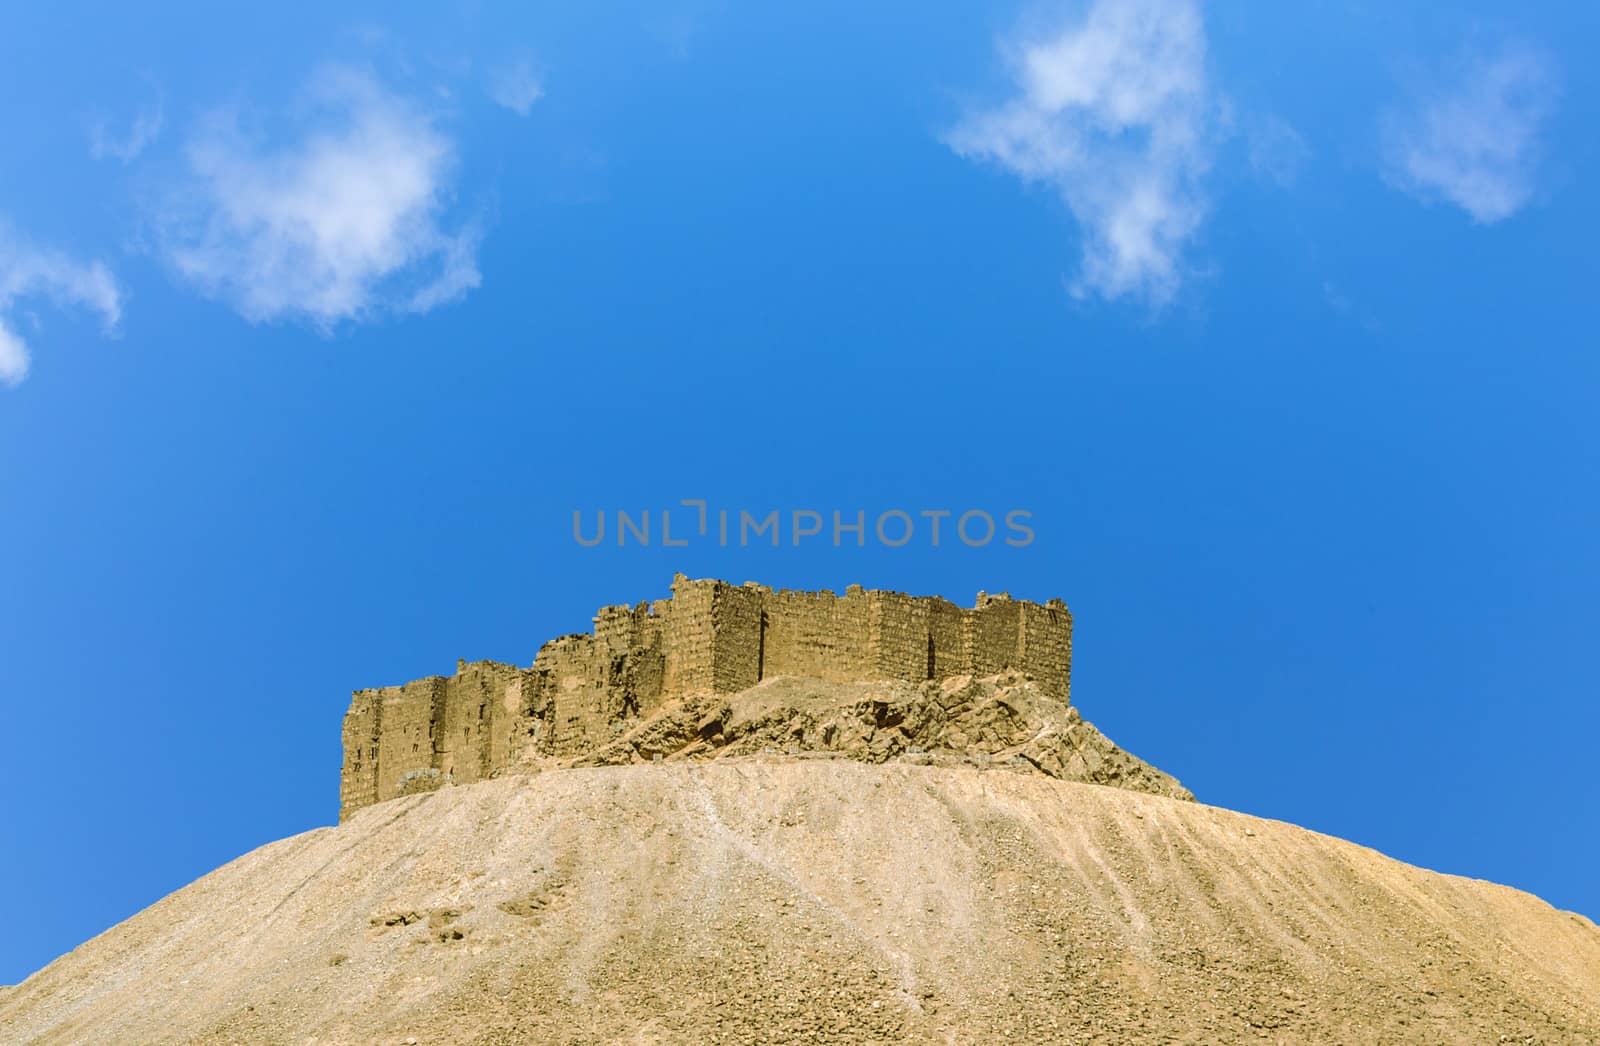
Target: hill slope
column 760, row 899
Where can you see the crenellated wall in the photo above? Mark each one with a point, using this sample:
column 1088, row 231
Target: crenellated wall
column 709, row 637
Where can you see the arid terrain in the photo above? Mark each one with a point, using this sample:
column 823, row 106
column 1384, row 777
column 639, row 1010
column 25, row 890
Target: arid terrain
column 1001, row 720
column 770, row 898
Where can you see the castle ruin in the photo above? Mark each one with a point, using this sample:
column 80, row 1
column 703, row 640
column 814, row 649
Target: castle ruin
column 710, row 637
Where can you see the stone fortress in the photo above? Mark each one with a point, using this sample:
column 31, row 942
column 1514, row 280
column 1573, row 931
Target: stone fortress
column 709, row 638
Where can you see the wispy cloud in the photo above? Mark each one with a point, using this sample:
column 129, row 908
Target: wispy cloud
column 343, row 220
column 516, row 88
column 146, row 127
column 31, row 272
column 1277, row 151
column 1473, row 139
column 1115, row 114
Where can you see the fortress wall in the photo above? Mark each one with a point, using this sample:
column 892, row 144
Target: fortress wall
column 948, row 634
column 635, row 658
column 455, row 731
column 358, row 778
column 409, row 715
column 783, row 642
column 508, row 702
column 709, row 637
column 473, row 713
column 688, row 638
column 898, row 637
column 995, row 630
column 849, row 636
column 647, row 660
column 570, row 688
column 815, row 634
column 736, row 626
column 1046, row 646
column 461, row 725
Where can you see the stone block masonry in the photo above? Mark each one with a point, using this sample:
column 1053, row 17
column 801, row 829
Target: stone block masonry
column 710, row 637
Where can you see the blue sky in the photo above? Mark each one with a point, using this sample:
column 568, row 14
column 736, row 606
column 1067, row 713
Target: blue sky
column 316, row 328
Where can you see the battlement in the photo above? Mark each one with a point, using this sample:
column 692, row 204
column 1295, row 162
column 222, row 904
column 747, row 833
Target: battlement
column 710, row 637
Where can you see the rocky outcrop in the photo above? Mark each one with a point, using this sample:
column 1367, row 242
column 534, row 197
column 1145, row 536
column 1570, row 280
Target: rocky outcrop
column 1001, row 721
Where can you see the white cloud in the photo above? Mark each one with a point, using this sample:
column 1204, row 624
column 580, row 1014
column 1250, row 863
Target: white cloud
column 29, row 272
column 147, row 124
column 1474, row 141
column 1114, row 113
column 516, row 88
column 343, row 221
column 13, row 358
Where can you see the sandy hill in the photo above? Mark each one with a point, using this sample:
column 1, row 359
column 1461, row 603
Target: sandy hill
column 763, row 898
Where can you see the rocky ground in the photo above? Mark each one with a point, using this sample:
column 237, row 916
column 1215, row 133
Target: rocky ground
column 773, row 898
column 1002, row 720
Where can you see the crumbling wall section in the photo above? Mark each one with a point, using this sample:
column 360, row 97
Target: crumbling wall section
column 358, row 778
column 569, row 692
column 635, row 656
